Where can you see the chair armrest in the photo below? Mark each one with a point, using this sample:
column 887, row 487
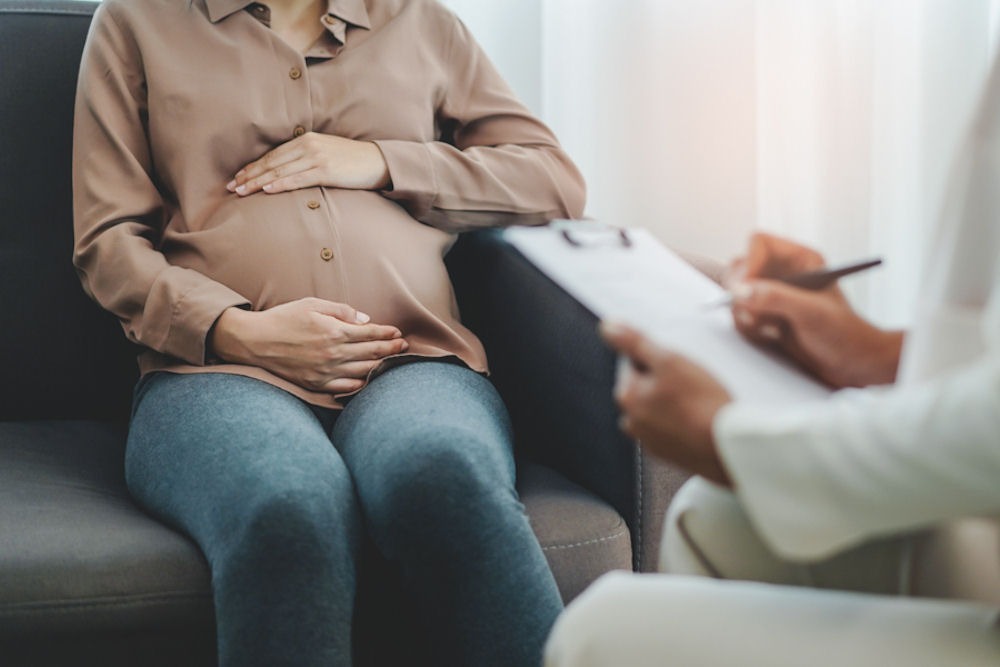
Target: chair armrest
column 556, row 376
column 659, row 481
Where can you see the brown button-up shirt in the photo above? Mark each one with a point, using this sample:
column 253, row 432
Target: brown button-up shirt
column 175, row 96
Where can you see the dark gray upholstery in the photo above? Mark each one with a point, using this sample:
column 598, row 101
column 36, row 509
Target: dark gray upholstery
column 85, row 371
column 75, row 552
column 81, row 564
column 86, row 577
column 579, row 533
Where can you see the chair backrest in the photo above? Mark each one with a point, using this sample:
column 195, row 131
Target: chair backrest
column 61, row 356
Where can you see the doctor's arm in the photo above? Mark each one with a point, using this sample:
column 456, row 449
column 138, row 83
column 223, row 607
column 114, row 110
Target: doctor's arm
column 820, row 478
column 669, row 403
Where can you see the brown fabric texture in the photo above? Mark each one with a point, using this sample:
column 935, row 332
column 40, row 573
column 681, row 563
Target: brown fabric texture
column 175, row 97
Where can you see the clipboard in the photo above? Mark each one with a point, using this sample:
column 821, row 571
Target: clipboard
column 629, row 276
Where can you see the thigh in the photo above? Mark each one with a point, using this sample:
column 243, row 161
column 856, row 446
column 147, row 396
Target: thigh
column 211, row 452
column 656, row 620
column 708, row 533
column 427, row 422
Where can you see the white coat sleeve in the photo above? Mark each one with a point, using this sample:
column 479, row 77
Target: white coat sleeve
column 868, row 463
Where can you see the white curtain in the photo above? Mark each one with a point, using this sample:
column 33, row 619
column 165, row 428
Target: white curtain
column 830, row 121
column 655, row 100
column 510, row 33
column 861, row 105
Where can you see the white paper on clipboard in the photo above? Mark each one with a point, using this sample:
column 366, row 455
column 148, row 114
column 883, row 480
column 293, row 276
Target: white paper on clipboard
column 644, row 284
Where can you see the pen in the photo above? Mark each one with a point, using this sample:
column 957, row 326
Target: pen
column 813, row 280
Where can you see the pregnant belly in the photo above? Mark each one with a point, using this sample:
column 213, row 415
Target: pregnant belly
column 346, row 246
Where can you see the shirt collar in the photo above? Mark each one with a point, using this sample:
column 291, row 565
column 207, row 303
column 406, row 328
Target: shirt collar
column 351, row 11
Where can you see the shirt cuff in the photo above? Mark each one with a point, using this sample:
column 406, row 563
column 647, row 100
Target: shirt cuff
column 192, row 316
column 411, row 170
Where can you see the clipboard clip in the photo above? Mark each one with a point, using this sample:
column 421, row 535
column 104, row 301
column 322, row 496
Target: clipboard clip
column 582, row 234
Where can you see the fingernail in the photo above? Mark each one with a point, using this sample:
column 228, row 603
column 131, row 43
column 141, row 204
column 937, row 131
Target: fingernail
column 769, row 332
column 742, row 291
column 361, row 318
column 241, row 190
column 404, row 346
column 231, row 185
column 240, row 172
column 268, row 187
column 744, row 318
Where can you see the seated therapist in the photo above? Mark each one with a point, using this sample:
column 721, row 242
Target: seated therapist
column 836, row 494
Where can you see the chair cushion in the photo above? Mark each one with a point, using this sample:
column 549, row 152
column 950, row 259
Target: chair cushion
column 75, row 552
column 582, row 536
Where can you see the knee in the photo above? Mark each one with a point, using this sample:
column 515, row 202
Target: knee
column 440, row 480
column 449, row 465
column 297, row 518
column 699, row 508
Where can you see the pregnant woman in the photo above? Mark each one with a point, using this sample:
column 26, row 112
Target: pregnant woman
column 264, row 195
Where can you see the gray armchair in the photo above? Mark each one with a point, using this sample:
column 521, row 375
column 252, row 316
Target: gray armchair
column 86, row 577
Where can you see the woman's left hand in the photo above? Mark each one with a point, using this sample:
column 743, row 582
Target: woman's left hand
column 314, row 160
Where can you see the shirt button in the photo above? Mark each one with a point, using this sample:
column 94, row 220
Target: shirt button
column 298, row 131
column 313, row 204
column 295, row 73
column 326, row 254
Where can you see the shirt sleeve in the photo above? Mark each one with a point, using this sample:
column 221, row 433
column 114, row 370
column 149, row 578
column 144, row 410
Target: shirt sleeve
column 496, row 163
column 818, row 479
column 119, row 212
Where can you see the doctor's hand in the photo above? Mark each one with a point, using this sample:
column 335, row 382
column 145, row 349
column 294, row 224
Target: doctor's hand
column 817, row 329
column 668, row 403
column 314, row 159
column 319, row 345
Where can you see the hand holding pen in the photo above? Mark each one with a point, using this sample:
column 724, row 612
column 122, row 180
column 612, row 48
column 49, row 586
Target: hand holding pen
column 816, row 279
column 784, row 297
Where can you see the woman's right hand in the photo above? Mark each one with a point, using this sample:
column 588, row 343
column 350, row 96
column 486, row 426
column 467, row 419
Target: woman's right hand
column 818, row 329
column 320, row 345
